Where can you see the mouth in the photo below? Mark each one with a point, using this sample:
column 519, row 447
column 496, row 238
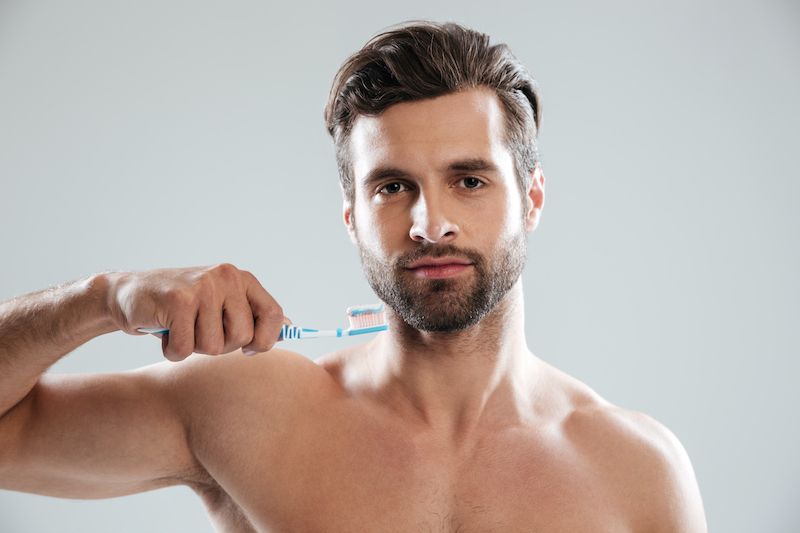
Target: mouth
column 439, row 271
column 439, row 267
column 437, row 261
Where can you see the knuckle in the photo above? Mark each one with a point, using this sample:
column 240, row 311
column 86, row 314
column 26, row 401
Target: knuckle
column 225, row 270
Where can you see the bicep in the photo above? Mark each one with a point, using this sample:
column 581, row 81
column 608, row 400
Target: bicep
column 96, row 436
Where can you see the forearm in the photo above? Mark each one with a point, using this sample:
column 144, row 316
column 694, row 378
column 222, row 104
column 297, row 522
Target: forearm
column 37, row 329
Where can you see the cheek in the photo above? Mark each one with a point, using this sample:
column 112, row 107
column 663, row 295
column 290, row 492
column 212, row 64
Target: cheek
column 505, row 219
column 377, row 231
column 514, row 212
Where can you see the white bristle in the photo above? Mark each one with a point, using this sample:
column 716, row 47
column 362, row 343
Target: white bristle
column 365, row 316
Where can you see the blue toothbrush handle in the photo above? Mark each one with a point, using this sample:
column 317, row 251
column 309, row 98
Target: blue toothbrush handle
column 296, row 332
column 287, row 332
column 291, row 332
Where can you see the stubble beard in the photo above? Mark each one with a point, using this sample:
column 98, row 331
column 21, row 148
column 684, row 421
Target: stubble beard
column 451, row 304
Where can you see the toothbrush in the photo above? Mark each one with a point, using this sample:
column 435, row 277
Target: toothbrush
column 362, row 318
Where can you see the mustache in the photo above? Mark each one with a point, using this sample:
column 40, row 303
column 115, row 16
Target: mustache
column 440, row 250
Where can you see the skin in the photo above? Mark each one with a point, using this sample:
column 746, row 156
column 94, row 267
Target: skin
column 411, row 431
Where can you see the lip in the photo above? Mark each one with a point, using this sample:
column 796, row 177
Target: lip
column 447, row 270
column 438, row 262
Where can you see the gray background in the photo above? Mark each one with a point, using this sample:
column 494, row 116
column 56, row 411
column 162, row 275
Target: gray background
column 137, row 135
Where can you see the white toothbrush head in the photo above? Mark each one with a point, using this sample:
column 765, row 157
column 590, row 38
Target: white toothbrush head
column 366, row 316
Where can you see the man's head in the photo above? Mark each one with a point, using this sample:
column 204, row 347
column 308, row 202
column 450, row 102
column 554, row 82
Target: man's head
column 435, row 133
column 419, row 60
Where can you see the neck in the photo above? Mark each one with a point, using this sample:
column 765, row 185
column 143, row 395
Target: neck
column 452, row 382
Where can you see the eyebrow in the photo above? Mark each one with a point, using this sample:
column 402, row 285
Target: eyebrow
column 474, row 164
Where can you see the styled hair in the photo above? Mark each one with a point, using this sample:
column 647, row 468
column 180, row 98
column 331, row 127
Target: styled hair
column 417, row 60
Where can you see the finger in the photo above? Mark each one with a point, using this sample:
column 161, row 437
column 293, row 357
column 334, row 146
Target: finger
column 248, row 350
column 238, row 322
column 281, row 333
column 178, row 343
column 209, row 334
column 268, row 316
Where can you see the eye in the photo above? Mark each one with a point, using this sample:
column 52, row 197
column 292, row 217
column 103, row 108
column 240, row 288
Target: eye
column 392, row 188
column 471, row 182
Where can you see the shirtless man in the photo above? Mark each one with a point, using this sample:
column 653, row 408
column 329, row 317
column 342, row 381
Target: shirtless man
column 447, row 422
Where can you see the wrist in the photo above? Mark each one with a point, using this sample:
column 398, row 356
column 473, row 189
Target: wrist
column 98, row 291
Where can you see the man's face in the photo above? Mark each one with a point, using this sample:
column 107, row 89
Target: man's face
column 435, row 183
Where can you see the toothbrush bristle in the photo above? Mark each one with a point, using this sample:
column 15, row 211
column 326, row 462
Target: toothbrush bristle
column 366, row 316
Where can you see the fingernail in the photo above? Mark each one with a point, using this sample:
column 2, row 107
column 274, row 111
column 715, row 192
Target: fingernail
column 248, row 352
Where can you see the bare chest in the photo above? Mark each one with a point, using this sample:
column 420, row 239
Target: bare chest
column 352, row 476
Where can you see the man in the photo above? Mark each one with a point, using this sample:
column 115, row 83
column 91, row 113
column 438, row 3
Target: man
column 447, row 422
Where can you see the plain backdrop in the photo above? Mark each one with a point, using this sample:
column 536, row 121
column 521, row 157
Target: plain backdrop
column 664, row 274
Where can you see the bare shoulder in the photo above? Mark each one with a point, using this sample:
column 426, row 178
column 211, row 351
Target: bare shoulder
column 230, row 399
column 638, row 456
column 278, row 373
column 277, row 361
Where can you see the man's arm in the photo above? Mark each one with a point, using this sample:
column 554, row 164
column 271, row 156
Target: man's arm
column 108, row 435
column 38, row 329
column 80, row 436
column 97, row 436
column 104, row 435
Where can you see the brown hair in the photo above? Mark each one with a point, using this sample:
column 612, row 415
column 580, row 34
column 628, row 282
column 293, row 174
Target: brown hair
column 421, row 59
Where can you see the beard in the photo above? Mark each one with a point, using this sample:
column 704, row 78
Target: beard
column 450, row 304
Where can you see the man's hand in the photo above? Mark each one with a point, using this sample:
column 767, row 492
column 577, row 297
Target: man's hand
column 208, row 310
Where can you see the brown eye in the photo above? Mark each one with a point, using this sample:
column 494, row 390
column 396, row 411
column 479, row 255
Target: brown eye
column 392, row 188
column 471, row 182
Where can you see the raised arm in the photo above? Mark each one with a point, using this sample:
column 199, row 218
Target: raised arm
column 38, row 329
column 104, row 435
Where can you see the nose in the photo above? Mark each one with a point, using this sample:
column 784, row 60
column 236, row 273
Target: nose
column 430, row 222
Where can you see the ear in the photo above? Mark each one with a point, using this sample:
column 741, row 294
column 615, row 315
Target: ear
column 349, row 222
column 535, row 199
